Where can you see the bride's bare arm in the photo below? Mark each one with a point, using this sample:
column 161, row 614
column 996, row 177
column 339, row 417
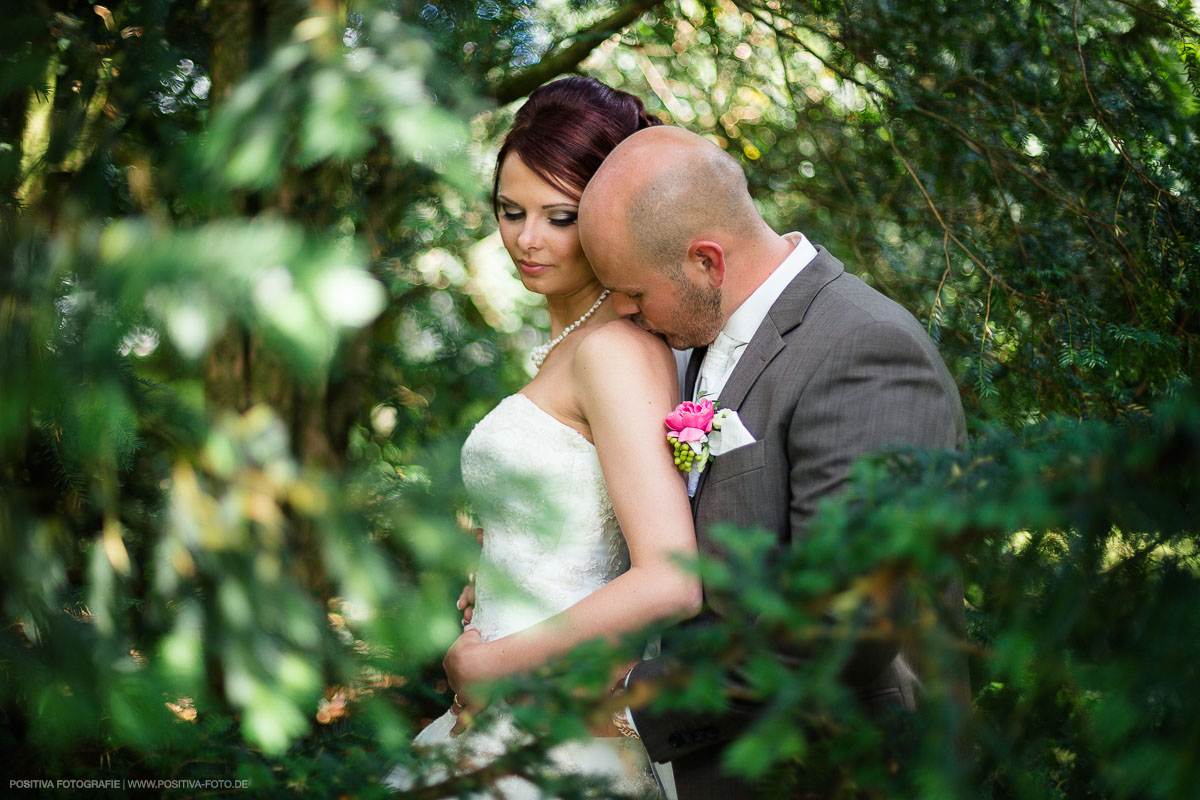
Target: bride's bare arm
column 625, row 380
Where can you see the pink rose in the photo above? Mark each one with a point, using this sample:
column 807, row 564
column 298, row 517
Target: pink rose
column 690, row 435
column 691, row 415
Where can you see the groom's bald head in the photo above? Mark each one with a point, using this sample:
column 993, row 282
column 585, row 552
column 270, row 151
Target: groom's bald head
column 658, row 191
column 667, row 222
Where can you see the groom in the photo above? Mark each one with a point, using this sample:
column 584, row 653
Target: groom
column 820, row 368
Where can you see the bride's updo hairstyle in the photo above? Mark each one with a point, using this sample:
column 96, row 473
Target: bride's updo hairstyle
column 567, row 127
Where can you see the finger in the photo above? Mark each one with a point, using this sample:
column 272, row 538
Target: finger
column 468, row 612
column 469, row 594
column 479, row 536
column 462, row 721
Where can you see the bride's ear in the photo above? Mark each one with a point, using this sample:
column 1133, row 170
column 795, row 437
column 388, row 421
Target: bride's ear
column 709, row 257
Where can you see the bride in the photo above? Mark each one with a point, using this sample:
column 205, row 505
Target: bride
column 585, row 442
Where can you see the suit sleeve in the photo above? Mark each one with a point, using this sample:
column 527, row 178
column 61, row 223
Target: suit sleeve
column 880, row 385
column 676, row 733
column 883, row 385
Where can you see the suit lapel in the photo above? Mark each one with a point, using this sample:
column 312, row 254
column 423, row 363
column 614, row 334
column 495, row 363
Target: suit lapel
column 787, row 313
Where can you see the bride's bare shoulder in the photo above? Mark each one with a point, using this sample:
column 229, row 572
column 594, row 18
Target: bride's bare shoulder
column 622, row 345
column 622, row 339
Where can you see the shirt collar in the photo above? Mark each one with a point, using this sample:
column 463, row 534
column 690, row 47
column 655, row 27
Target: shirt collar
column 744, row 322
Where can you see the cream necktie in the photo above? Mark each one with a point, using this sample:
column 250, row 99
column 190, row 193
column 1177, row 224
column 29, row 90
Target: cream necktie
column 715, row 368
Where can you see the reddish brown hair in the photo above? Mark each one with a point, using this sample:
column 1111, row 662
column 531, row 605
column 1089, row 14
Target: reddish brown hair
column 567, row 127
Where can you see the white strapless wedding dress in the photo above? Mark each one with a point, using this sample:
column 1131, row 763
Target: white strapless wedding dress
column 550, row 538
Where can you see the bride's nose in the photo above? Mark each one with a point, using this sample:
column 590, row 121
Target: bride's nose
column 530, row 238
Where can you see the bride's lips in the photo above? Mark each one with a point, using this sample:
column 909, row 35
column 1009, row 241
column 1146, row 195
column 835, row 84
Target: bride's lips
column 532, row 267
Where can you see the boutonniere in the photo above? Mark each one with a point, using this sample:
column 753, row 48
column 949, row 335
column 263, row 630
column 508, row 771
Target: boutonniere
column 694, row 431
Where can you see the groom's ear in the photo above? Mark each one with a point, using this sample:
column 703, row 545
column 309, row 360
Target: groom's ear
column 709, row 258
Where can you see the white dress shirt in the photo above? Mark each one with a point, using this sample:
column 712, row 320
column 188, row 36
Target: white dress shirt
column 745, row 321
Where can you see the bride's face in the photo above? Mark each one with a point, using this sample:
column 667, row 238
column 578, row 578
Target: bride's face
column 538, row 226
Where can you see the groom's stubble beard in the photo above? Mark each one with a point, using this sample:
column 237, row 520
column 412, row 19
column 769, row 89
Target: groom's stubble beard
column 696, row 319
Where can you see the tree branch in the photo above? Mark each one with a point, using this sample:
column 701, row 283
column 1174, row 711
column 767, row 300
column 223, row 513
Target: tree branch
column 1174, row 23
column 945, row 228
column 583, row 43
column 1102, row 114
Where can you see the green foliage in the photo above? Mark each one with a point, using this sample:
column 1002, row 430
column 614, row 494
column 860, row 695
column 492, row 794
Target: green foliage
column 205, row 561
column 1023, row 176
column 250, row 304
column 1078, row 547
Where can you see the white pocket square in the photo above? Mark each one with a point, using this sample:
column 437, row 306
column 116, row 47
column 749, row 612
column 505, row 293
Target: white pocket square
column 728, row 433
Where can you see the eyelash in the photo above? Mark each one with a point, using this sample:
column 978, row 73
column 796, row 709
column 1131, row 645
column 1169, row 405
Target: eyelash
column 561, row 222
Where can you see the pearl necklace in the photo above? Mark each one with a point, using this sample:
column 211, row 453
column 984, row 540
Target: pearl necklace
column 540, row 352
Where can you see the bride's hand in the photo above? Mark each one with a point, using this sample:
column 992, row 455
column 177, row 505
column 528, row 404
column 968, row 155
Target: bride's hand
column 462, row 664
column 466, row 599
column 466, row 603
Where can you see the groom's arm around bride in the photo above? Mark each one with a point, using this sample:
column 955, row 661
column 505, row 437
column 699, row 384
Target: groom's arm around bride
column 820, row 368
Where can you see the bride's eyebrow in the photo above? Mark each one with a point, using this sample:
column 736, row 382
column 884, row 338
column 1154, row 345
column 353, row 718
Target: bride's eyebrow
column 500, row 198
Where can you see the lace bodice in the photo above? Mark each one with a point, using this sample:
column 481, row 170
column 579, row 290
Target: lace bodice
column 550, row 537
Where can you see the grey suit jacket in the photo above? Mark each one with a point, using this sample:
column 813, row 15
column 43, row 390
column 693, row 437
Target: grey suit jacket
column 835, row 371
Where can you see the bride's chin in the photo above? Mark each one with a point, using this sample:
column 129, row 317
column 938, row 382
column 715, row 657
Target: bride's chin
column 536, row 287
